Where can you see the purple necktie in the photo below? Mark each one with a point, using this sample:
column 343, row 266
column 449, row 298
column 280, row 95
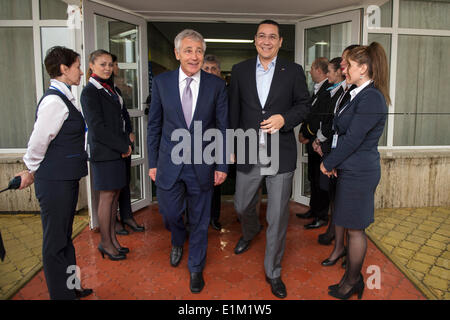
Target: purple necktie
column 186, row 102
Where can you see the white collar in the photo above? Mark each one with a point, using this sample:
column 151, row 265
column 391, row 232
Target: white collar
column 182, row 76
column 62, row 87
column 357, row 90
column 318, row 85
column 96, row 83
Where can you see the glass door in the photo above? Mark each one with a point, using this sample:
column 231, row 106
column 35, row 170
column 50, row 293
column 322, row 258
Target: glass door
column 125, row 36
column 320, row 37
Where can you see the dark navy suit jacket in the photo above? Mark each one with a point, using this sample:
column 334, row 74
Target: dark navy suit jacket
column 359, row 127
column 166, row 115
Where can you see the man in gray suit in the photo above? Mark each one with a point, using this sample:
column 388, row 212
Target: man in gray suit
column 267, row 93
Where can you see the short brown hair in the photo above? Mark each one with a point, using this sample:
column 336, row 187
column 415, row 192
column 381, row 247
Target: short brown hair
column 321, row 63
column 55, row 57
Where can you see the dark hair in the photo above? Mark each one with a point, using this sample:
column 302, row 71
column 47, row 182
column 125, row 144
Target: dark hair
column 336, row 62
column 375, row 58
column 350, row 47
column 114, row 57
column 268, row 21
column 55, row 57
column 322, row 64
column 211, row 59
column 93, row 56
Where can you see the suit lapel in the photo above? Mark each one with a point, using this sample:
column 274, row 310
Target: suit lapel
column 176, row 96
column 277, row 75
column 252, row 80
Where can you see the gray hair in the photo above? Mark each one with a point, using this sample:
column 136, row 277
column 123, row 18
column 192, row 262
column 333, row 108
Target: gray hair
column 188, row 33
column 212, row 59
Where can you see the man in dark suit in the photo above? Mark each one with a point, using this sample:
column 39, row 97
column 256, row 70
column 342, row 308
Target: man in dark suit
column 267, row 93
column 319, row 202
column 185, row 103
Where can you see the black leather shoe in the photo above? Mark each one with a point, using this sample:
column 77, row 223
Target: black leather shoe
column 325, row 239
column 175, row 256
column 197, row 283
column 317, row 223
column 122, row 232
column 83, row 292
column 242, row 246
column 278, row 287
column 306, row 215
column 133, row 225
column 327, row 262
column 215, row 224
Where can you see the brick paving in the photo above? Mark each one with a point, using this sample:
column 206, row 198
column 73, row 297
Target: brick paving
column 22, row 237
column 418, row 242
column 146, row 273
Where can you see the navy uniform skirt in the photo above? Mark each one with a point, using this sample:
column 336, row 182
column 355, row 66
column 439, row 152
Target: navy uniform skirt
column 109, row 175
column 355, row 193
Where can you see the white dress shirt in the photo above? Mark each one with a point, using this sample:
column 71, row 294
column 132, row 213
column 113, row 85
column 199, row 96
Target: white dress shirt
column 318, row 85
column 357, row 90
column 51, row 116
column 195, row 86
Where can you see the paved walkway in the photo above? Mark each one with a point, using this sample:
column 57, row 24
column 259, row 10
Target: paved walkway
column 146, row 274
column 418, row 242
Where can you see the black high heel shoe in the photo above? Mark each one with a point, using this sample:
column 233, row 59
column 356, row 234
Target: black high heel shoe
column 327, row 262
column 334, row 287
column 357, row 288
column 136, row 228
column 123, row 250
column 113, row 257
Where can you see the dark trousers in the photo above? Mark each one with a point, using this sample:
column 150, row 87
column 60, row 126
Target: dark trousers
column 319, row 201
column 215, row 209
column 125, row 196
column 172, row 203
column 58, row 201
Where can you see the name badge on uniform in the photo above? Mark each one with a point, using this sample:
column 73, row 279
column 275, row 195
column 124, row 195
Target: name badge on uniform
column 334, row 142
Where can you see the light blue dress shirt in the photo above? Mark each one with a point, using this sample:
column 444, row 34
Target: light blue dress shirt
column 264, row 79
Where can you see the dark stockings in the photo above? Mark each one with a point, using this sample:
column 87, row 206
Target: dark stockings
column 356, row 252
column 107, row 210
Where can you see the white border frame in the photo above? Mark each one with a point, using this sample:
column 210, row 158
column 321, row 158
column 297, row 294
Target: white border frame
column 353, row 16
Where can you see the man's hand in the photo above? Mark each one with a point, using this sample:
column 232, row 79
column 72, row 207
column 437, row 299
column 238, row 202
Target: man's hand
column 273, row 124
column 126, row 155
column 219, row 177
column 152, row 174
column 302, row 139
column 317, row 147
column 27, row 179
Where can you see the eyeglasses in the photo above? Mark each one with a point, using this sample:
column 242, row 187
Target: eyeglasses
column 270, row 37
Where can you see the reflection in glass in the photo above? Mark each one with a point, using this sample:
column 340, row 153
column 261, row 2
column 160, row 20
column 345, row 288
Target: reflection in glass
column 136, row 123
column 136, row 183
column 18, row 87
column 15, row 10
column 424, row 14
column 123, row 40
column 126, row 81
column 53, row 9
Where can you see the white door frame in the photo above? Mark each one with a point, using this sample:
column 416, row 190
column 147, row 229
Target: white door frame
column 353, row 16
column 90, row 9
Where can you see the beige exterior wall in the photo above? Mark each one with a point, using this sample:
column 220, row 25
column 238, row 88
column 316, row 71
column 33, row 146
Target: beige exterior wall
column 14, row 201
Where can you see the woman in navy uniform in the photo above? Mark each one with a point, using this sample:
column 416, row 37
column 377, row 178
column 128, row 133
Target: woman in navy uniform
column 108, row 145
column 355, row 160
column 56, row 160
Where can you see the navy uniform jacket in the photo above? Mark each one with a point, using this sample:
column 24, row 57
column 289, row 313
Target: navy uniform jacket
column 359, row 126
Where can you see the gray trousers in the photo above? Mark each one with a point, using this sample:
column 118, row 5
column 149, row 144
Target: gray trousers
column 279, row 187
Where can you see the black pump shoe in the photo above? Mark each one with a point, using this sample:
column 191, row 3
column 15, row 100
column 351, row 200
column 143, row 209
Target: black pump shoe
column 135, row 227
column 113, row 257
column 327, row 262
column 357, row 288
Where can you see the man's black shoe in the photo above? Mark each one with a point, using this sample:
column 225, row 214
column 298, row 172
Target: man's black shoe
column 278, row 287
column 175, row 256
column 197, row 283
column 306, row 215
column 83, row 292
column 215, row 224
column 317, row 223
column 242, row 246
